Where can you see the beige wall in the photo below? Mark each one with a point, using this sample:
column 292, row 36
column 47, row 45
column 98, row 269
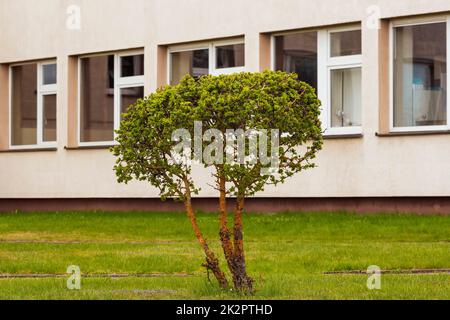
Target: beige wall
column 368, row 166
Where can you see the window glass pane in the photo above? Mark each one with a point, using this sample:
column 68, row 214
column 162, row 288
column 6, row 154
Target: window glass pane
column 129, row 96
column 111, row 74
column 97, row 99
column 420, row 73
column 24, row 105
column 230, row 56
column 298, row 53
column 195, row 63
column 345, row 43
column 49, row 117
column 49, row 73
column 346, row 97
column 132, row 66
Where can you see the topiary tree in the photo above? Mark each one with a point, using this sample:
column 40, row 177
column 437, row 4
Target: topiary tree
column 253, row 129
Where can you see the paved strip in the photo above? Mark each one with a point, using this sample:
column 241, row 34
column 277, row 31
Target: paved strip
column 92, row 275
column 410, row 271
column 57, row 242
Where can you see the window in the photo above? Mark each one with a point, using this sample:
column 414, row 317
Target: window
column 131, row 66
column 345, row 96
column 108, row 85
column 210, row 58
column 297, row 53
column 345, row 43
column 230, row 56
column 420, row 75
column 33, row 105
column 193, row 62
column 330, row 61
column 344, row 82
column 128, row 96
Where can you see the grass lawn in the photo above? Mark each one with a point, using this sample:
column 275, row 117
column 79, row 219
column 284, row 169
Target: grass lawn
column 287, row 254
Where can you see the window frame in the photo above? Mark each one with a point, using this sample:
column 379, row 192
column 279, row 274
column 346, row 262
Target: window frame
column 41, row 91
column 415, row 22
column 119, row 83
column 325, row 64
column 339, row 130
column 211, row 47
column 336, row 63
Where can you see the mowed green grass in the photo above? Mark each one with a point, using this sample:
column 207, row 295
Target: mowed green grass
column 287, row 254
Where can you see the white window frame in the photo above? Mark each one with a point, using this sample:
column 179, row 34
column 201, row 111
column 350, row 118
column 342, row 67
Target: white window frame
column 119, row 83
column 325, row 64
column 415, row 22
column 336, row 63
column 211, row 47
column 41, row 91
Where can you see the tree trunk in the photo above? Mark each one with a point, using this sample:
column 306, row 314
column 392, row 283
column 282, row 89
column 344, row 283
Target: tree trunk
column 212, row 263
column 242, row 282
column 225, row 233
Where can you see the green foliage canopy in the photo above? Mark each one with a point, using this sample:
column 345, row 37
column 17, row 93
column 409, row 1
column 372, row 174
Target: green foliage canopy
column 247, row 101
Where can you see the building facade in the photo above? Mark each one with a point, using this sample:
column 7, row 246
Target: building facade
column 69, row 68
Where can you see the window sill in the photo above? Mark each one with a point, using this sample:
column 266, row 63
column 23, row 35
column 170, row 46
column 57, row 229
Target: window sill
column 29, row 150
column 343, row 136
column 412, row 133
column 99, row 147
